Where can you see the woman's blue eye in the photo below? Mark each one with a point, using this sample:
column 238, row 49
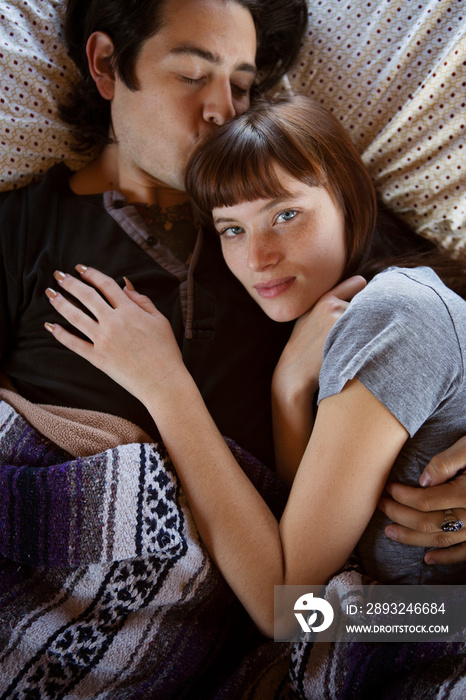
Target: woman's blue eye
column 286, row 215
column 232, row 231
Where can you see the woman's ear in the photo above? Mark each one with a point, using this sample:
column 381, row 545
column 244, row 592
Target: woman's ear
column 99, row 52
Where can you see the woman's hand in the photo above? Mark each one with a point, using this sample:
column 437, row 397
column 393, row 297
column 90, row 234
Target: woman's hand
column 131, row 341
column 299, row 366
column 296, row 375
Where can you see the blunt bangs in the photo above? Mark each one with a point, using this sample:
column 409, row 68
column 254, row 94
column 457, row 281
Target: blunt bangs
column 241, row 162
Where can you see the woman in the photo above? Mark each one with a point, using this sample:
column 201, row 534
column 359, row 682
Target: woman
column 295, row 210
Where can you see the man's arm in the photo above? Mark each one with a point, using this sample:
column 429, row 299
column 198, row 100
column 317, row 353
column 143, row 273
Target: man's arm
column 419, row 512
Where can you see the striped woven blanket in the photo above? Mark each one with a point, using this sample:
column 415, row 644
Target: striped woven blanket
column 106, row 591
column 358, row 670
column 375, row 670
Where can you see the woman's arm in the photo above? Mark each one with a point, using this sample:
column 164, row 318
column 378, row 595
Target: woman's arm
column 340, row 479
column 339, row 482
column 296, row 377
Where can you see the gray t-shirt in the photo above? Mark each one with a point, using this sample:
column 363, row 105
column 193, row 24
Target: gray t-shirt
column 404, row 338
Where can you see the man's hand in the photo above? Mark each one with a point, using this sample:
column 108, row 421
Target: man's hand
column 419, row 512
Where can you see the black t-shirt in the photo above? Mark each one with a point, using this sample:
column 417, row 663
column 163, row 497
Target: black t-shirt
column 231, row 354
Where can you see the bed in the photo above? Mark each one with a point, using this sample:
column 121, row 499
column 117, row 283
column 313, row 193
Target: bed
column 393, row 71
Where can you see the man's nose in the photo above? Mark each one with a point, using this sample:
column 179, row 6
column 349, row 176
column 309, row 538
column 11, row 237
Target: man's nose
column 263, row 252
column 218, row 107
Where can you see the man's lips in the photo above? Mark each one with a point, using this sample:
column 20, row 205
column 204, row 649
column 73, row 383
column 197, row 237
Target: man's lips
column 273, row 288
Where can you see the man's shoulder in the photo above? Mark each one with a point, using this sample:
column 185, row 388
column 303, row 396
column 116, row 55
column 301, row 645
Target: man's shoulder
column 31, row 214
column 55, row 179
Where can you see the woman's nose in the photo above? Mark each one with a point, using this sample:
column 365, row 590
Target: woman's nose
column 263, row 252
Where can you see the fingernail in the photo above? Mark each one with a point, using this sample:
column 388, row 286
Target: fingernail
column 81, row 269
column 51, row 293
column 59, row 276
column 129, row 284
column 430, row 558
column 391, row 532
column 425, row 479
column 49, row 326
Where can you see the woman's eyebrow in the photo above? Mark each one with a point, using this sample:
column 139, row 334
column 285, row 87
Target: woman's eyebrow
column 268, row 205
column 275, row 202
column 223, row 220
column 193, row 50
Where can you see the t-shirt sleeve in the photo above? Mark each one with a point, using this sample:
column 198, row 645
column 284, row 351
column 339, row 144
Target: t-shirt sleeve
column 399, row 339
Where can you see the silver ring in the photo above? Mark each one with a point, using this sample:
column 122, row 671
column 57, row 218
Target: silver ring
column 450, row 523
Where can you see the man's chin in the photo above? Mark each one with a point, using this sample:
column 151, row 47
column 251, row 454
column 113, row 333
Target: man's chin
column 173, row 181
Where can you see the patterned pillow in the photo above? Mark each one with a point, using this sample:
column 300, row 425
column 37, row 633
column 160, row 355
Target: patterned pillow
column 35, row 71
column 393, row 71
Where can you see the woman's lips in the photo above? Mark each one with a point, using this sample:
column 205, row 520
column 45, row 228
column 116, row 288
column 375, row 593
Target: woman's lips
column 273, row 288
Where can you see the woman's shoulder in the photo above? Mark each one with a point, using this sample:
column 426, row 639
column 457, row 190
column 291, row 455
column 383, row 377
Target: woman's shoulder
column 401, row 291
column 404, row 338
column 405, row 307
column 402, row 280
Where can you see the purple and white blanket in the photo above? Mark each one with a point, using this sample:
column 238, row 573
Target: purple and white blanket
column 107, row 592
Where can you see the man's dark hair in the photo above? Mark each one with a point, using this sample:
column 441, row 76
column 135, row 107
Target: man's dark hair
column 280, row 25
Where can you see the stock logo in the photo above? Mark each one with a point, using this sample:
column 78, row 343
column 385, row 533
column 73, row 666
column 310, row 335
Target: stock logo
column 307, row 603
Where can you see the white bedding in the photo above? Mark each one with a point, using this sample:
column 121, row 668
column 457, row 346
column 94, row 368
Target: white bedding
column 392, row 70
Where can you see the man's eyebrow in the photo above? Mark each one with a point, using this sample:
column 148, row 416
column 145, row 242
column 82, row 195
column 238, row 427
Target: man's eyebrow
column 193, row 50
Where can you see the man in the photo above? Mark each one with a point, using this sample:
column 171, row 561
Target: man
column 158, row 76
column 178, row 87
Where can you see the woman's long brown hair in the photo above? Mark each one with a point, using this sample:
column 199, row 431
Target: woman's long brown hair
column 298, row 135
